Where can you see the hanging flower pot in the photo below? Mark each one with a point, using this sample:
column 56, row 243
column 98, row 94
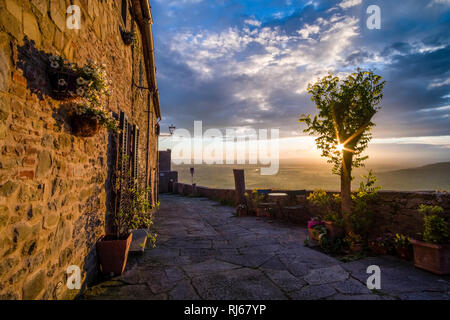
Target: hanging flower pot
column 85, row 125
column 63, row 84
column 86, row 120
column 128, row 37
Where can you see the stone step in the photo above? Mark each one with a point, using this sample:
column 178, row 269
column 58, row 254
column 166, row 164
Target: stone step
column 139, row 240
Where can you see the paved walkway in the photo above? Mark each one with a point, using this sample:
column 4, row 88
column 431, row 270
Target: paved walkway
column 205, row 252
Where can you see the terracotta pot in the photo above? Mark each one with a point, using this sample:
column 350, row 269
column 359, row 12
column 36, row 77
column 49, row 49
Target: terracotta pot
column 260, row 212
column 378, row 249
column 356, row 247
column 432, row 257
column 66, row 90
column 84, row 125
column 314, row 234
column 404, row 252
column 241, row 212
column 334, row 231
column 113, row 253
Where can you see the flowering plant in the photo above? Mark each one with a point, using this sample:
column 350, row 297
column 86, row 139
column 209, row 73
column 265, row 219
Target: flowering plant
column 401, row 240
column 90, row 81
column 97, row 112
column 353, row 238
column 314, row 222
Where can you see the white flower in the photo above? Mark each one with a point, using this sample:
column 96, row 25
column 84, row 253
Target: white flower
column 62, row 82
column 54, row 64
column 81, row 81
column 80, row 91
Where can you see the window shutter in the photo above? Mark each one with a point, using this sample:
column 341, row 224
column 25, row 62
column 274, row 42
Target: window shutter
column 135, row 152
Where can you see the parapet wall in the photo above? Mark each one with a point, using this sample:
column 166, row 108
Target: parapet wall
column 395, row 211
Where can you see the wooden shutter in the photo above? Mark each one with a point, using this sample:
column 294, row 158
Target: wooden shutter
column 135, row 158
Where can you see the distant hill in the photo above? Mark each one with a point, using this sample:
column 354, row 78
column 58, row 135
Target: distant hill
column 429, row 177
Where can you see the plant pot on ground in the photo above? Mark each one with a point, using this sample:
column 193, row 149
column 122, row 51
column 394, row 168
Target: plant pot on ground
column 334, row 229
column 316, row 229
column 403, row 247
column 354, row 242
column 112, row 253
column 135, row 212
column 433, row 253
column 382, row 245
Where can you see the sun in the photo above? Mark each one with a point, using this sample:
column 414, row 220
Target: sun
column 340, row 147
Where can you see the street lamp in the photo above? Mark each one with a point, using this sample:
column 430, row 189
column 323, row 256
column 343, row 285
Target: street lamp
column 172, row 129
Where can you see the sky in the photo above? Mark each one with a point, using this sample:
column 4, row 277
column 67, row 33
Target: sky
column 246, row 64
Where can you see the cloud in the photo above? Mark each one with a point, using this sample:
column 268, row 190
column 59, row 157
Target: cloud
column 349, row 3
column 232, row 64
column 253, row 22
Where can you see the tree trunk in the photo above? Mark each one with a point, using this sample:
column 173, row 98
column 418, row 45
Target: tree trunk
column 346, row 183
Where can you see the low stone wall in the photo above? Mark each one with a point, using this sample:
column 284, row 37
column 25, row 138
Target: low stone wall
column 395, row 212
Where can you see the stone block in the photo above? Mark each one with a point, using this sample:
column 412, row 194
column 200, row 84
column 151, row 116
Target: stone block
column 58, row 16
column 51, row 220
column 34, row 286
column 41, row 5
column 26, row 174
column 8, row 188
column 44, row 163
column 31, row 28
column 4, row 215
column 14, row 8
column 11, row 24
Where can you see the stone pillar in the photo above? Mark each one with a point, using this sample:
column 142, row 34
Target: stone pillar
column 239, row 183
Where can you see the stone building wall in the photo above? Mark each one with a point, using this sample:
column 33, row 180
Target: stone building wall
column 55, row 187
column 394, row 212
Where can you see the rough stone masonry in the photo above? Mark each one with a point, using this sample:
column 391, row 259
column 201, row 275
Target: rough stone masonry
column 55, row 188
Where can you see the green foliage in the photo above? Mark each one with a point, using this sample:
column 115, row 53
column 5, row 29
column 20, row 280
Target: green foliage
column 257, row 198
column 103, row 117
column 345, row 111
column 92, row 85
column 436, row 229
column 333, row 246
column 136, row 210
column 430, row 210
column 353, row 238
column 361, row 217
column 330, row 204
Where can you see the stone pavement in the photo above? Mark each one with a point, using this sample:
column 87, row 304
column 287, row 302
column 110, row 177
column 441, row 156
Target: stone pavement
column 205, row 252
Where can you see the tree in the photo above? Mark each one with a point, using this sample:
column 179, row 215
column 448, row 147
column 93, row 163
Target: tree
column 343, row 125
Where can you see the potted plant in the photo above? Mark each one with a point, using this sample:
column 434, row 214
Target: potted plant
column 86, row 120
column 316, row 228
column 128, row 37
column 381, row 245
column 403, row 246
column 329, row 205
column 62, row 75
column 354, row 242
column 69, row 81
column 433, row 253
column 135, row 212
column 241, row 210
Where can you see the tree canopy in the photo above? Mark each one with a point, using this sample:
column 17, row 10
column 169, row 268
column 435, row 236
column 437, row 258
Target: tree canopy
column 345, row 111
